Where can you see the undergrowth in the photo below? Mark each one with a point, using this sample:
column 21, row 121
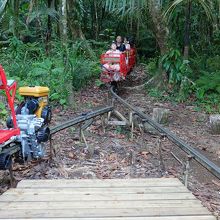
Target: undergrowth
column 194, row 82
column 30, row 65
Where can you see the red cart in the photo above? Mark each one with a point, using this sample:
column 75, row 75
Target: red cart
column 126, row 62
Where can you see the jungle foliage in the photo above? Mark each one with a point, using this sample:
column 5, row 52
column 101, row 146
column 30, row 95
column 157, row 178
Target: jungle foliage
column 58, row 43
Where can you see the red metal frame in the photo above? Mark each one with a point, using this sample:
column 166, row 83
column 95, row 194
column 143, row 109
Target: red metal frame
column 125, row 67
column 10, row 91
column 132, row 59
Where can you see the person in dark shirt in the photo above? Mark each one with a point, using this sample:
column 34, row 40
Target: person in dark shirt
column 119, row 43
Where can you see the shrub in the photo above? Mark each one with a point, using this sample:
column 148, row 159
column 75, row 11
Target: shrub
column 28, row 64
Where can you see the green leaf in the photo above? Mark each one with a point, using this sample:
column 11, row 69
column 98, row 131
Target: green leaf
column 54, row 96
column 99, row 83
column 62, row 101
column 218, row 89
column 167, row 66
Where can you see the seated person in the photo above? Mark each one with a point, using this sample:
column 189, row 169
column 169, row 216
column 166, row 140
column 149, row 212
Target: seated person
column 127, row 44
column 119, row 43
column 113, row 52
column 127, row 47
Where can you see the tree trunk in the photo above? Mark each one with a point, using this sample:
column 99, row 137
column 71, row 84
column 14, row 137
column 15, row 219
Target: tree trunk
column 66, row 60
column 160, row 28
column 31, row 5
column 76, row 29
column 63, row 32
column 49, row 27
column 64, row 22
column 74, row 23
column 187, row 30
column 49, row 24
column 15, row 9
column 161, row 34
column 57, row 8
column 96, row 20
column 92, row 19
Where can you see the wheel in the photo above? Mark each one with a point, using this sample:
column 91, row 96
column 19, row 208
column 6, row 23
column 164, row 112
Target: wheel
column 9, row 122
column 114, row 87
column 18, row 109
column 46, row 114
column 43, row 134
column 5, row 161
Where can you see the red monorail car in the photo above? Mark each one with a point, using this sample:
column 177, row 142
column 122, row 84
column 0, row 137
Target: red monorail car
column 126, row 61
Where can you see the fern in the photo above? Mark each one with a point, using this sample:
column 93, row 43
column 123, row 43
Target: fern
column 209, row 82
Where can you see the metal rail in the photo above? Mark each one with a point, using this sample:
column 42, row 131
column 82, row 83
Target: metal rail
column 84, row 117
column 204, row 161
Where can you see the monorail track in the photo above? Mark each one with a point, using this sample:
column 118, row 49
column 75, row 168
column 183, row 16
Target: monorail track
column 200, row 158
column 196, row 155
column 80, row 119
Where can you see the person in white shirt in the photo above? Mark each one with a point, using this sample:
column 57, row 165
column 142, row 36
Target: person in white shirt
column 113, row 52
column 127, row 44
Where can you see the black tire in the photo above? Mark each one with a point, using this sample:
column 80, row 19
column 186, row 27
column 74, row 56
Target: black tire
column 18, row 109
column 114, row 87
column 9, row 122
column 46, row 114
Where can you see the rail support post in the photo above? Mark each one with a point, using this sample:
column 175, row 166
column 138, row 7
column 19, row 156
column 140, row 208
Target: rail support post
column 142, row 136
column 11, row 177
column 89, row 148
column 131, row 122
column 187, row 169
column 161, row 163
column 80, row 133
column 103, row 122
column 109, row 116
column 52, row 152
column 53, row 149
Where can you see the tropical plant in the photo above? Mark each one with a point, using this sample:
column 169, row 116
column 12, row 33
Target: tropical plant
column 188, row 6
column 51, row 42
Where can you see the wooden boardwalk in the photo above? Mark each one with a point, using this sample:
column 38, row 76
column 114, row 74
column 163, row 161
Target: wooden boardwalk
column 127, row 199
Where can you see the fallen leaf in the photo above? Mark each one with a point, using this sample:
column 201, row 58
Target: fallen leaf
column 145, row 154
column 72, row 155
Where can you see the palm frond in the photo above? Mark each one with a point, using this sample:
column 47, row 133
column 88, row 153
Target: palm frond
column 42, row 12
column 3, row 4
column 124, row 6
column 205, row 4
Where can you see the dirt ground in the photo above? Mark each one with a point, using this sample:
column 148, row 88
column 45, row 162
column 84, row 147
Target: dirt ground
column 111, row 153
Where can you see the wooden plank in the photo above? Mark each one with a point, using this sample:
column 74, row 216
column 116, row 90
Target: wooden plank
column 94, row 197
column 84, row 183
column 115, row 199
column 70, row 213
column 101, row 204
column 128, row 218
column 117, row 123
column 120, row 190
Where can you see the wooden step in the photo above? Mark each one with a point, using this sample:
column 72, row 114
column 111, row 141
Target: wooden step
column 115, row 199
